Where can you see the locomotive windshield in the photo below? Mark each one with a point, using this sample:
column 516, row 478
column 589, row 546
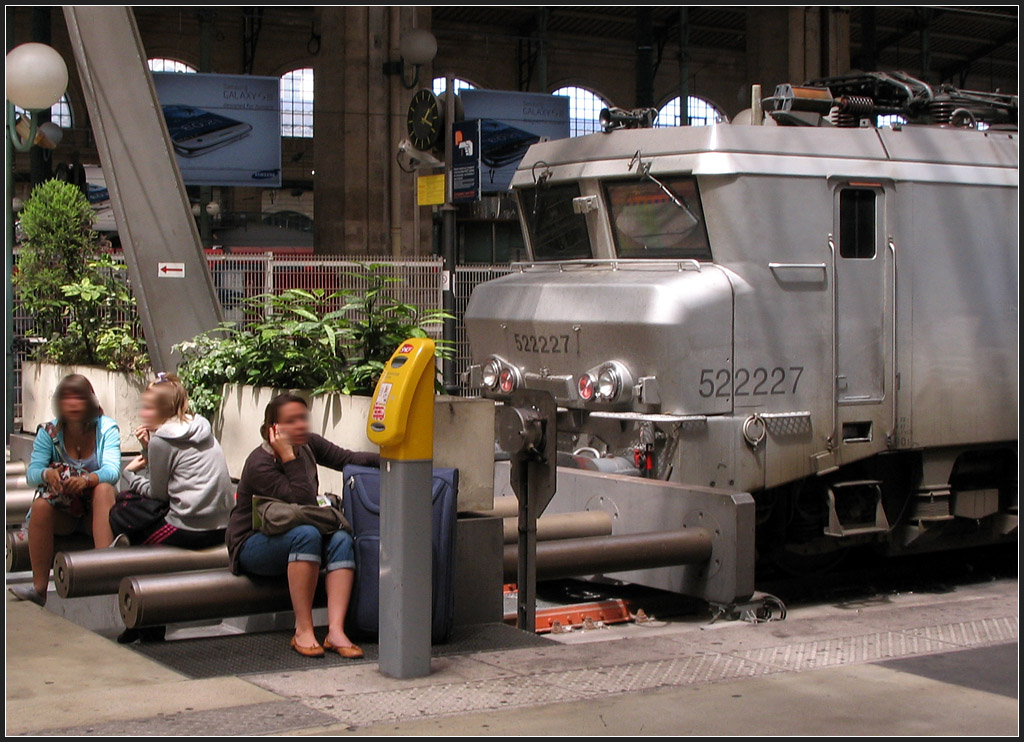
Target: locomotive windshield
column 658, row 218
column 556, row 232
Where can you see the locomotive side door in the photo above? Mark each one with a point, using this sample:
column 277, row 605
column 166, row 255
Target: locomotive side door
column 863, row 267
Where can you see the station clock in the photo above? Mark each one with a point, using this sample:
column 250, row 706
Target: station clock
column 425, row 120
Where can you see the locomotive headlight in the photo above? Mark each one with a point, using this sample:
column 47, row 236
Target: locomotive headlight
column 585, row 386
column 609, row 384
column 612, row 382
column 507, row 380
column 490, row 372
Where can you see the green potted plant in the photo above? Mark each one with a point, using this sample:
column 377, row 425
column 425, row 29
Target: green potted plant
column 331, row 348
column 82, row 309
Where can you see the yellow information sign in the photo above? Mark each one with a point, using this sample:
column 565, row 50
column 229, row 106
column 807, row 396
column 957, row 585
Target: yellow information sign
column 430, row 190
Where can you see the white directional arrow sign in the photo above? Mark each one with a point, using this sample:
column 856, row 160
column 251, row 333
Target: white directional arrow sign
column 171, row 270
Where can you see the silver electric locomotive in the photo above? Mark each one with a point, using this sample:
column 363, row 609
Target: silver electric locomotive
column 810, row 309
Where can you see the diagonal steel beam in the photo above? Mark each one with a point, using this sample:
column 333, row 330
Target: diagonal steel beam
column 151, row 208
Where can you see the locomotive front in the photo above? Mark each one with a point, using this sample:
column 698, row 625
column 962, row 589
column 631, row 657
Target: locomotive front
column 619, row 300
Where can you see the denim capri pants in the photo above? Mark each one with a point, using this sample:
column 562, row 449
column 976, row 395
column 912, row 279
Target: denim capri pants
column 269, row 556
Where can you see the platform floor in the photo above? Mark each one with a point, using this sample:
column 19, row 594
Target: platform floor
column 893, row 663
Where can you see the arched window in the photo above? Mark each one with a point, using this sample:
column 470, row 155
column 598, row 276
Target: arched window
column 163, row 64
column 439, row 85
column 297, row 103
column 701, row 112
column 60, row 113
column 584, row 109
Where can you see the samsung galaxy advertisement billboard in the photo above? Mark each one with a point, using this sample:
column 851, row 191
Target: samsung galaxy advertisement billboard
column 509, row 123
column 226, row 129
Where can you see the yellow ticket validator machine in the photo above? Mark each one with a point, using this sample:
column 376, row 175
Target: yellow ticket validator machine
column 401, row 422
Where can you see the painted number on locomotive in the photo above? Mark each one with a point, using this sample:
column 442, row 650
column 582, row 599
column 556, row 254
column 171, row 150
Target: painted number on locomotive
column 541, row 343
column 758, row 382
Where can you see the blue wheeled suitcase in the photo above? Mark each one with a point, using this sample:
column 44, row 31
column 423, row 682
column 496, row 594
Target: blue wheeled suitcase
column 362, row 508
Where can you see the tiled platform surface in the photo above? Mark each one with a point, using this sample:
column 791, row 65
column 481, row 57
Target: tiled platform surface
column 841, row 668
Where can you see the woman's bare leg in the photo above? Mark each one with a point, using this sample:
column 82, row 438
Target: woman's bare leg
column 44, row 522
column 302, row 577
column 339, row 591
column 102, row 501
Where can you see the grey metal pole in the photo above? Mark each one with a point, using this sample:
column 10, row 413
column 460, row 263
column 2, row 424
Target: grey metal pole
column 526, row 574
column 542, row 49
column 9, row 288
column 684, row 66
column 644, row 58
column 205, row 65
column 39, row 158
column 448, row 246
column 406, row 567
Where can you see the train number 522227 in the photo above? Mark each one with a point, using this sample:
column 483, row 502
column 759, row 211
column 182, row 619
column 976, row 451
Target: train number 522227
column 757, row 382
column 541, row 343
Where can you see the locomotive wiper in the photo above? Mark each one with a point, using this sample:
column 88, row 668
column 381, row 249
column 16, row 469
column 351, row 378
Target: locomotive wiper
column 539, row 182
column 644, row 168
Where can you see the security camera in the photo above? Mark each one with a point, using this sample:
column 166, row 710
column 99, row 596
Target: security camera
column 411, row 158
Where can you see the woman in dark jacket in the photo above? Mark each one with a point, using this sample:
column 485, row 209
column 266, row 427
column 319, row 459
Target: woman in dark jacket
column 284, row 468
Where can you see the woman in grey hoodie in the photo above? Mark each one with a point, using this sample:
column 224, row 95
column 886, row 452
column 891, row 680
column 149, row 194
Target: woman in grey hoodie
column 186, row 467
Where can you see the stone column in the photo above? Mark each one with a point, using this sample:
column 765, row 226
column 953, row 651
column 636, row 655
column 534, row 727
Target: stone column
column 355, row 118
column 796, row 44
column 329, row 145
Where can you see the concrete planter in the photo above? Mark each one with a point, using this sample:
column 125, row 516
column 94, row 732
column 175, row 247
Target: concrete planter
column 463, row 435
column 118, row 394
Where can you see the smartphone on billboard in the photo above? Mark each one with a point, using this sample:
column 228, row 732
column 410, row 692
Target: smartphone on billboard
column 197, row 132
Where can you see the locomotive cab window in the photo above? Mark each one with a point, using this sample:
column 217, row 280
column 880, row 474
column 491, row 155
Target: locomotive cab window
column 556, row 231
column 658, row 218
column 857, row 220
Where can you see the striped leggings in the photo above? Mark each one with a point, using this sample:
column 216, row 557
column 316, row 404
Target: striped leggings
column 164, row 534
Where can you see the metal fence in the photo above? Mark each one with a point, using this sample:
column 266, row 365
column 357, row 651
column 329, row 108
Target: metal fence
column 241, row 277
column 467, row 278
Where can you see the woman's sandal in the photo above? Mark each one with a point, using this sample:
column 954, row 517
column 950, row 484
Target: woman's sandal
column 350, row 653
column 316, row 651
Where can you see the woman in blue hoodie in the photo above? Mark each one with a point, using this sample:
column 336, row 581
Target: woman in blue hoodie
column 184, row 466
column 76, row 461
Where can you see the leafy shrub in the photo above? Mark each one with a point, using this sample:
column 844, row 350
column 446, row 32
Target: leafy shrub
column 73, row 290
column 296, row 340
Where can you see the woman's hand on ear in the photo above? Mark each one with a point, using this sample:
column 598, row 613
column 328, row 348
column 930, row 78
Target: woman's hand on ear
column 281, row 442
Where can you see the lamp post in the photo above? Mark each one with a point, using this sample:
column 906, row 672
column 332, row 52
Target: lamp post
column 36, row 78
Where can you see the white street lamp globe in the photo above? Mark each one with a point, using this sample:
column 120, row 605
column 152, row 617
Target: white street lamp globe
column 418, row 46
column 49, row 135
column 36, row 76
column 213, row 208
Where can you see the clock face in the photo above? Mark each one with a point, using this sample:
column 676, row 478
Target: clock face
column 424, row 120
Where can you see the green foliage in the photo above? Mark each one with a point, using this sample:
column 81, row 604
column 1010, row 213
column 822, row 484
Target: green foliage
column 376, row 325
column 58, row 242
column 299, row 340
column 70, row 288
column 208, row 362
